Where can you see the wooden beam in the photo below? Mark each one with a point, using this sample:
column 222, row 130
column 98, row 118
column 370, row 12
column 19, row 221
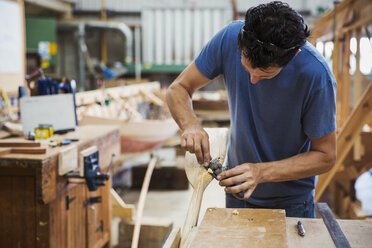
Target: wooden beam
column 58, row 6
column 346, row 138
column 173, row 240
column 350, row 14
column 151, row 97
column 104, row 34
column 199, row 179
column 335, row 69
column 358, row 91
column 119, row 208
column 345, row 75
column 18, row 143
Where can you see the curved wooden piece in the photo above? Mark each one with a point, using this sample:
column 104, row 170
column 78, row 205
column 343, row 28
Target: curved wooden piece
column 141, row 202
column 199, row 178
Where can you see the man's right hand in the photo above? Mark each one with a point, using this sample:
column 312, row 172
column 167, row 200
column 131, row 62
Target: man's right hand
column 196, row 140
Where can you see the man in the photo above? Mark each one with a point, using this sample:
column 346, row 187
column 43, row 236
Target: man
column 282, row 105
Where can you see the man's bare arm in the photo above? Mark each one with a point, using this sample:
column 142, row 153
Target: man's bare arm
column 194, row 138
column 318, row 160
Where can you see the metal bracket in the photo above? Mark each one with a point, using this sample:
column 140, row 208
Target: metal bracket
column 100, row 226
column 68, row 201
column 92, row 200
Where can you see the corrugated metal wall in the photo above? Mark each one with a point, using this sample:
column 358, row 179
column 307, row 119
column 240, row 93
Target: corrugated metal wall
column 176, row 35
column 243, row 5
column 138, row 5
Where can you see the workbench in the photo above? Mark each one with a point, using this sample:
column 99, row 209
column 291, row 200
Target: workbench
column 239, row 228
column 39, row 208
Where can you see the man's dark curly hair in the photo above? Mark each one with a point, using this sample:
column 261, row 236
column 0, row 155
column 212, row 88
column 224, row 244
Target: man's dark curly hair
column 272, row 34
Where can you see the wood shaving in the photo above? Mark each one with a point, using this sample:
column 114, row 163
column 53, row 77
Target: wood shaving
column 212, row 208
column 235, row 212
column 210, row 171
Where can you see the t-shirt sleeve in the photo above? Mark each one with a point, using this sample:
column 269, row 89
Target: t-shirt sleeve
column 210, row 59
column 319, row 117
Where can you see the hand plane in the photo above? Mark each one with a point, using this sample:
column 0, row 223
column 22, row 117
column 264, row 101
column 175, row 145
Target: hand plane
column 215, row 167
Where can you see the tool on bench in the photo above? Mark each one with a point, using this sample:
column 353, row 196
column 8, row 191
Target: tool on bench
column 54, row 143
column 300, row 229
column 44, row 131
column 215, row 167
column 333, row 227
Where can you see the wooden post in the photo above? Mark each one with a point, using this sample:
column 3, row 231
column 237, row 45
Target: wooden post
column 345, row 74
column 358, row 90
column 336, row 72
column 104, row 35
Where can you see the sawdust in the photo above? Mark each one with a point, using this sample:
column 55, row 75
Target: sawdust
column 211, row 209
column 235, row 212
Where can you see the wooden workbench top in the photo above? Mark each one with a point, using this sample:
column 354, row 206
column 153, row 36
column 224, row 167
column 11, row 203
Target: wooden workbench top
column 226, row 227
column 83, row 133
column 357, row 232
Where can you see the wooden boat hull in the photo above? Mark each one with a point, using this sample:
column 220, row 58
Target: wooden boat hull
column 138, row 136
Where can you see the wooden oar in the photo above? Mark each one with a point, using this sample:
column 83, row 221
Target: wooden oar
column 199, row 178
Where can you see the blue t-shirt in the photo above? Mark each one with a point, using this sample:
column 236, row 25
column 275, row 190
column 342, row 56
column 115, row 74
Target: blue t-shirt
column 273, row 119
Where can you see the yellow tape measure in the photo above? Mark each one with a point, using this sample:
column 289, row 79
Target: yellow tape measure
column 44, row 131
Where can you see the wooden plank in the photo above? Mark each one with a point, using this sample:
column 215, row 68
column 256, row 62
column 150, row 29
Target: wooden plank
column 345, row 74
column 346, row 138
column 119, row 208
column 227, row 227
column 141, row 202
column 5, row 151
column 335, row 69
column 67, row 159
column 358, row 232
column 29, row 150
column 94, row 217
column 18, row 143
column 173, row 240
column 4, row 134
column 76, row 217
column 350, row 14
column 151, row 97
column 199, row 178
column 358, row 91
column 153, row 232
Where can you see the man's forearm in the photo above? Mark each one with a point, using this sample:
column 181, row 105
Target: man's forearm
column 180, row 105
column 300, row 166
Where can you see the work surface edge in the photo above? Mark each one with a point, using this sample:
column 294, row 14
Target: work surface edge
column 84, row 134
column 358, row 232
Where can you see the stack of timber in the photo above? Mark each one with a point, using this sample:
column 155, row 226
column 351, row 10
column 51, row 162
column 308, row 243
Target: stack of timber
column 350, row 18
column 139, row 110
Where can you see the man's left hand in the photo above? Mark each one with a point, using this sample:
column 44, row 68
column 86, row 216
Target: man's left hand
column 244, row 177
